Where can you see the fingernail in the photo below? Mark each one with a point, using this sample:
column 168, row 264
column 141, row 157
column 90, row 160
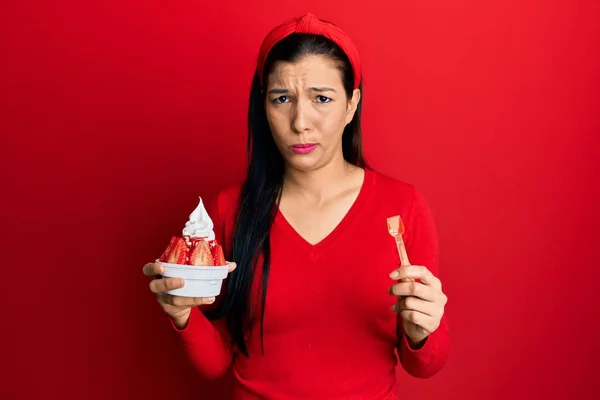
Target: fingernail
column 394, row 274
column 181, row 283
column 209, row 300
column 162, row 269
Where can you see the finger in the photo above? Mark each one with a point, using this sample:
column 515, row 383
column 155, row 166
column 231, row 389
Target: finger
column 232, row 266
column 426, row 322
column 179, row 301
column 415, row 304
column 416, row 272
column 166, row 284
column 153, row 269
column 414, row 289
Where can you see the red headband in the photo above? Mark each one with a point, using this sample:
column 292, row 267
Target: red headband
column 312, row 25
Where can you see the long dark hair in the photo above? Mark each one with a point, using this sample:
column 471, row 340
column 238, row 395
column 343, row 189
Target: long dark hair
column 261, row 190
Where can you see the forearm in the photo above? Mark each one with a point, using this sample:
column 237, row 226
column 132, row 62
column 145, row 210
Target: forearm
column 210, row 353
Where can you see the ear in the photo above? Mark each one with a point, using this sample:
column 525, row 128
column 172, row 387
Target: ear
column 352, row 105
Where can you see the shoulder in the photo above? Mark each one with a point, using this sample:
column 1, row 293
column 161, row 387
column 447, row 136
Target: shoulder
column 222, row 209
column 401, row 196
column 229, row 195
column 224, row 202
column 393, row 188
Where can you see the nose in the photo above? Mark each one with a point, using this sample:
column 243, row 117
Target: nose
column 300, row 118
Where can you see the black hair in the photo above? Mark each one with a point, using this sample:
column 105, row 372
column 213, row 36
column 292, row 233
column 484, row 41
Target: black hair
column 261, row 189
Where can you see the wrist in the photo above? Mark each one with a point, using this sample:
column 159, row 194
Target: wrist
column 181, row 322
column 416, row 344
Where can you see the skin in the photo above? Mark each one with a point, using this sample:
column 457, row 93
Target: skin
column 420, row 303
column 306, row 103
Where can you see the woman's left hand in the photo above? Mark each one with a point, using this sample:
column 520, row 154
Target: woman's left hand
column 421, row 304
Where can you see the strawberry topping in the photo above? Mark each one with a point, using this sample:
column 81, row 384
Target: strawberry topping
column 218, row 256
column 200, row 253
column 179, row 253
column 193, row 251
column 165, row 255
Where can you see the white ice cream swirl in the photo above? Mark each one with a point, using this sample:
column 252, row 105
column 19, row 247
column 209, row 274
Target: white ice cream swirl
column 199, row 224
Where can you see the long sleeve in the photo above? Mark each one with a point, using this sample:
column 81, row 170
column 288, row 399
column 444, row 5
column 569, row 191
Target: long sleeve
column 422, row 249
column 208, row 350
column 204, row 341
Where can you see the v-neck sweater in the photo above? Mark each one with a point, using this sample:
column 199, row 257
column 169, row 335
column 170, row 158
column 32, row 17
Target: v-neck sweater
column 329, row 332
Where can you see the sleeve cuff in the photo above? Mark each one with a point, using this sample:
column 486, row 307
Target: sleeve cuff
column 429, row 358
column 423, row 348
column 196, row 323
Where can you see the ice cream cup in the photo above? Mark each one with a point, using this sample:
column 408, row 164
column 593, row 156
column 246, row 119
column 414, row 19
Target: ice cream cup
column 199, row 281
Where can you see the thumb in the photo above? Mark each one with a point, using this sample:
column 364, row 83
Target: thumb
column 232, row 266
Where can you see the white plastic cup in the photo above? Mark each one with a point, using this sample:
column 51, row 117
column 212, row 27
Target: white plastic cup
column 199, row 281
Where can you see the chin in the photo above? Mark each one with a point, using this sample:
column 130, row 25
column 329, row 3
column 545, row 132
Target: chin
column 304, row 163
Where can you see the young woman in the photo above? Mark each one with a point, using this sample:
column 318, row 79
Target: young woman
column 319, row 305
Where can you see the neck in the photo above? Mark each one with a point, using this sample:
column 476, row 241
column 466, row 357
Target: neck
column 320, row 183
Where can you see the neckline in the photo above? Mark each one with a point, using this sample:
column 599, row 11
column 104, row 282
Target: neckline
column 281, row 222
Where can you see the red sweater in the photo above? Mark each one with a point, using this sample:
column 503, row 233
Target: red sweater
column 329, row 332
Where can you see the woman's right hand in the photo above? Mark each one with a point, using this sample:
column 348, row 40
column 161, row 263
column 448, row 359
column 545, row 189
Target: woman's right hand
column 177, row 307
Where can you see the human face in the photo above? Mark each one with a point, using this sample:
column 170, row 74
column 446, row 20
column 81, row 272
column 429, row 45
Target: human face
column 307, row 109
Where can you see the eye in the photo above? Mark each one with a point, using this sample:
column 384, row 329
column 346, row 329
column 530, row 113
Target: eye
column 281, row 99
column 323, row 99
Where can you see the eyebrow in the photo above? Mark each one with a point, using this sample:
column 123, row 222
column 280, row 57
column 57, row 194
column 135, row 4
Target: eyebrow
column 312, row 89
column 321, row 89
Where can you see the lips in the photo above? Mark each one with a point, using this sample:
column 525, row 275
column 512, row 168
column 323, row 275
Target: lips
column 303, row 148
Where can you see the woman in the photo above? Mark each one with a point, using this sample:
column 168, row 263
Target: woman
column 306, row 313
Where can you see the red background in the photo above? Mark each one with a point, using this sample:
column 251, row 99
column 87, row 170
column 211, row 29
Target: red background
column 116, row 115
